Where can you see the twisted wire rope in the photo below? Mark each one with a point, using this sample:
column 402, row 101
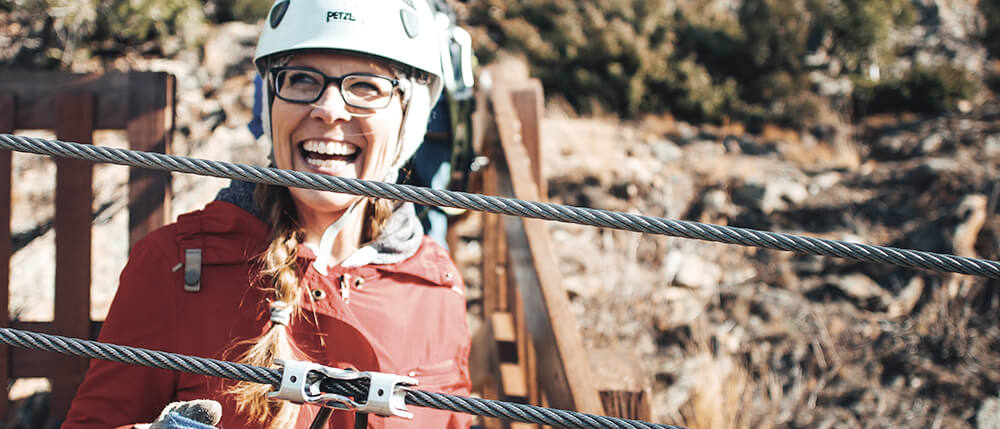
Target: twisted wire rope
column 139, row 356
column 354, row 388
column 511, row 206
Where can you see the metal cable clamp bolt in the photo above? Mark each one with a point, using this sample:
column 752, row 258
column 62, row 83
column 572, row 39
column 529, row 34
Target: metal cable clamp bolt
column 300, row 383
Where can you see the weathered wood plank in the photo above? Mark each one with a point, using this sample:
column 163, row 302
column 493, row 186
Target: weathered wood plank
column 515, row 386
column 36, row 92
column 484, row 368
column 622, row 382
column 525, row 352
column 74, row 199
column 503, row 327
column 150, row 126
column 527, row 98
column 483, row 358
column 627, row 404
column 491, row 249
column 563, row 370
column 8, row 109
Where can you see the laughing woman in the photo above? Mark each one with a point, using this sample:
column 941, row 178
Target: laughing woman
column 268, row 272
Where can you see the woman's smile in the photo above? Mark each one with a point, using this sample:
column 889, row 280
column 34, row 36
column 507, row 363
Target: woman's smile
column 328, row 156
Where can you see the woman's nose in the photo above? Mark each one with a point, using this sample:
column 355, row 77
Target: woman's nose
column 331, row 106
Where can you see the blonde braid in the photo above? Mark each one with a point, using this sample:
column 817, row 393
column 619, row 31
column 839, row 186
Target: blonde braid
column 376, row 215
column 279, row 267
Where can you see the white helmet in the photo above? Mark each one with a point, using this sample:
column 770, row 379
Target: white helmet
column 402, row 31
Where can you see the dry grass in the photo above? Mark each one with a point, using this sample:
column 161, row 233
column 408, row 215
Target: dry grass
column 723, row 394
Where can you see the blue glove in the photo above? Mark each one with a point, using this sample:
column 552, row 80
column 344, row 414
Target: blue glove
column 177, row 421
column 198, row 414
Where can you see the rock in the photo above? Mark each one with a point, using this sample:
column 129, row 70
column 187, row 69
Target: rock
column 780, row 194
column 783, row 194
column 692, row 272
column 972, row 212
column 686, row 132
column 894, row 146
column 184, row 71
column 862, row 289
column 824, row 182
column 942, row 35
column 832, row 87
column 229, row 51
column 716, row 200
column 988, row 416
column 991, row 146
column 666, row 150
column 907, row 298
column 931, row 143
column 751, row 146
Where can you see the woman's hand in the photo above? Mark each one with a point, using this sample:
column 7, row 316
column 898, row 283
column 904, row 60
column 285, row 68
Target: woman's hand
column 197, row 414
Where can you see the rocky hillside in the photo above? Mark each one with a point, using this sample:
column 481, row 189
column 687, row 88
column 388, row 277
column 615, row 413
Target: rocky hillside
column 740, row 337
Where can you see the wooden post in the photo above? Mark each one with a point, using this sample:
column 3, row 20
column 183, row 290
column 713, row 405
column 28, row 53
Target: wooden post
column 491, row 249
column 150, row 126
column 74, row 199
column 8, row 106
column 563, row 370
column 509, row 382
column 527, row 100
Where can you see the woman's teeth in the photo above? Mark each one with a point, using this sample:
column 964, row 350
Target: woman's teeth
column 328, row 155
column 330, row 148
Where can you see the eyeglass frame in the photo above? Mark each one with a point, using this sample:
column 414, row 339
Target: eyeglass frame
column 327, row 80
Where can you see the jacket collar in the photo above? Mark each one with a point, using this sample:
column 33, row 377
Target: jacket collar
column 400, row 238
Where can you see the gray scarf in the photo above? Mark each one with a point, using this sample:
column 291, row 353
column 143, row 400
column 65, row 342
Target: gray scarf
column 400, row 237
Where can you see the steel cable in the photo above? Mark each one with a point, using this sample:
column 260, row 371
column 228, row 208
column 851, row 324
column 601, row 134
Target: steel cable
column 511, row 206
column 138, row 356
column 354, row 388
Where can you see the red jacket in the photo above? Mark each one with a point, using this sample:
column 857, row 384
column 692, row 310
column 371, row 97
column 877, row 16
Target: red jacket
column 406, row 318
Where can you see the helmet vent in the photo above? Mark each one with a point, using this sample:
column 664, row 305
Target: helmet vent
column 278, row 12
column 411, row 22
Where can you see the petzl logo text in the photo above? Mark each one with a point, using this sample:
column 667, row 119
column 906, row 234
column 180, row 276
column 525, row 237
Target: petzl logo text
column 339, row 16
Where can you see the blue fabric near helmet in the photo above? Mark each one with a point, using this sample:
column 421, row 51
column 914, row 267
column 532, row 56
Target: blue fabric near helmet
column 256, row 126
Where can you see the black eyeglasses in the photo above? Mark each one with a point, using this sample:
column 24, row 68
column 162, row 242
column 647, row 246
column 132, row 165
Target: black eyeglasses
column 306, row 85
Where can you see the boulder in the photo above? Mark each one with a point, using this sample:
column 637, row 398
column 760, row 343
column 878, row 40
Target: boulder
column 988, row 416
column 229, row 51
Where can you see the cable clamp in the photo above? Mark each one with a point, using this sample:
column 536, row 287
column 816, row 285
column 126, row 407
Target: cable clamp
column 300, row 383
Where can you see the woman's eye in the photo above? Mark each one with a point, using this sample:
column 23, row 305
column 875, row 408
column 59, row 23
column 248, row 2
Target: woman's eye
column 301, row 79
column 364, row 89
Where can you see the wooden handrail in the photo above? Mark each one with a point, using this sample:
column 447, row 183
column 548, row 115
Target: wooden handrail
column 75, row 105
column 563, row 369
